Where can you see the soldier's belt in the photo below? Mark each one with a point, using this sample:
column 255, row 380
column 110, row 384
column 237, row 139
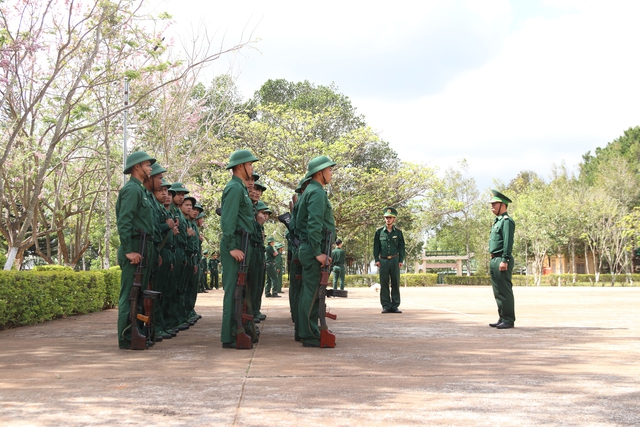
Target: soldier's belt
column 499, row 254
column 389, row 256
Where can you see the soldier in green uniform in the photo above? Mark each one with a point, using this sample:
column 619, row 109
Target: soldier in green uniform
column 236, row 217
column 338, row 255
column 314, row 223
column 295, row 268
column 133, row 213
column 204, row 270
column 388, row 251
column 501, row 264
column 272, row 275
column 164, row 278
column 193, row 259
column 213, row 270
column 178, row 192
column 279, row 268
column 257, row 268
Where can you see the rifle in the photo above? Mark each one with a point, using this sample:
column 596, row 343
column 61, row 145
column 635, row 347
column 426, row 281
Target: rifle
column 327, row 339
column 285, row 218
column 138, row 341
column 243, row 341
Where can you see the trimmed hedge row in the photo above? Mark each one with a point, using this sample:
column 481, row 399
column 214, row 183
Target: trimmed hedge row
column 550, row 280
column 364, row 280
column 28, row 297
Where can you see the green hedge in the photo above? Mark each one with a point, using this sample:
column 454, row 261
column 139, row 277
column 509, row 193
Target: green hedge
column 28, row 297
column 550, row 280
column 365, row 280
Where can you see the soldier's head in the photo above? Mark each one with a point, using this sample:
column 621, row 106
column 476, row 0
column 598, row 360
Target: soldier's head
column 499, row 202
column 162, row 193
column 320, row 169
column 339, row 243
column 187, row 206
column 241, row 164
column 157, row 172
column 178, row 193
column 139, row 165
column 271, row 240
column 390, row 215
column 255, row 193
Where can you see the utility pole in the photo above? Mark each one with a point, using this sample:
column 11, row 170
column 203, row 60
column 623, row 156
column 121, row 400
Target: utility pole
column 124, row 129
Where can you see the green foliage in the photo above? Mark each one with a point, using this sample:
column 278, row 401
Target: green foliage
column 52, row 267
column 549, row 280
column 28, row 297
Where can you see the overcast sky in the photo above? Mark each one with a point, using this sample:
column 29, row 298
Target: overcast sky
column 507, row 85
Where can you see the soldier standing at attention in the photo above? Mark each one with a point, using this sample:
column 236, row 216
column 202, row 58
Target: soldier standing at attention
column 338, row 255
column 501, row 265
column 272, row 274
column 133, row 213
column 178, row 192
column 213, row 270
column 295, row 268
column 279, row 268
column 258, row 262
column 314, row 222
column 388, row 251
column 237, row 217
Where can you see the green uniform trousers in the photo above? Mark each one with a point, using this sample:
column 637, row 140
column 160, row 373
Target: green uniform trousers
column 256, row 278
column 124, row 305
column 338, row 273
column 214, row 279
column 230, row 269
column 503, row 290
column 295, row 284
column 272, row 279
column 307, row 320
column 389, row 271
column 165, row 283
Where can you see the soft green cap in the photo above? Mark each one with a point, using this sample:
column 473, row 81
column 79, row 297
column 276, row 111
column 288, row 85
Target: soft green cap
column 390, row 212
column 499, row 197
column 301, row 183
column 239, row 157
column 271, row 239
column 156, row 169
column 178, row 187
column 165, row 183
column 260, row 185
column 135, row 158
column 260, row 206
column 317, row 164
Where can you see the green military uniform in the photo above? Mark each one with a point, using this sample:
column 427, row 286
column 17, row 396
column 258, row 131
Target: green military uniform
column 133, row 213
column 314, row 221
column 279, row 268
column 389, row 251
column 295, row 268
column 500, row 248
column 180, row 267
column 338, row 257
column 237, row 214
column 164, row 278
column 193, row 276
column 257, row 267
column 204, row 270
column 213, row 271
column 271, row 254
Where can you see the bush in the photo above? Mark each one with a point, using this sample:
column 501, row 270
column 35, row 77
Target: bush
column 550, row 280
column 28, row 297
column 52, row 267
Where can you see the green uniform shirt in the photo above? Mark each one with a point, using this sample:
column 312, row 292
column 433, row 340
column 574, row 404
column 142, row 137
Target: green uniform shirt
column 279, row 261
column 270, row 251
column 213, row 264
column 338, row 256
column 501, row 237
column 388, row 243
column 314, row 215
column 237, row 211
column 133, row 212
column 181, row 237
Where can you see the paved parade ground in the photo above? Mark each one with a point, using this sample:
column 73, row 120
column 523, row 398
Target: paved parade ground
column 572, row 360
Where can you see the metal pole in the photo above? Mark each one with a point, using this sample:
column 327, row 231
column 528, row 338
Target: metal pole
column 124, row 129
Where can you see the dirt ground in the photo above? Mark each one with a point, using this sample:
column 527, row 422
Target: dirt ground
column 572, row 360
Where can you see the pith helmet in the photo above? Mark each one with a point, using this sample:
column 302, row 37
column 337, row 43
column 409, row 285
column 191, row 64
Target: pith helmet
column 301, row 184
column 390, row 212
column 499, row 197
column 239, row 157
column 260, row 206
column 193, row 200
column 165, row 183
column 260, row 186
column 271, row 239
column 156, row 169
column 255, row 176
column 200, row 215
column 198, row 206
column 135, row 158
column 317, row 164
column 178, row 187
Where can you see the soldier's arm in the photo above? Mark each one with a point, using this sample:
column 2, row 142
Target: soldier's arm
column 129, row 205
column 376, row 247
column 508, row 228
column 401, row 249
column 316, row 204
column 230, row 209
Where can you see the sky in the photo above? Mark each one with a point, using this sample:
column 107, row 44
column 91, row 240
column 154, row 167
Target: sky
column 507, row 85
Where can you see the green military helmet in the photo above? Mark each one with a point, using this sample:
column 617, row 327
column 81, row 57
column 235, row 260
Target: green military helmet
column 156, row 169
column 260, row 206
column 317, row 164
column 239, row 157
column 268, row 210
column 165, row 183
column 302, row 182
column 259, row 185
column 206, row 251
column 499, row 197
column 198, row 206
column 390, row 212
column 193, row 200
column 255, row 176
column 178, row 187
column 279, row 245
column 135, row 158
column 271, row 239
column 200, row 215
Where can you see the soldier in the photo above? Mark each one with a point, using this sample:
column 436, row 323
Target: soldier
column 338, row 256
column 388, row 251
column 213, row 270
column 279, row 268
column 236, row 218
column 314, row 222
column 295, row 269
column 178, row 192
column 133, row 214
column 258, row 262
column 501, row 265
column 204, row 270
column 272, row 274
column 193, row 260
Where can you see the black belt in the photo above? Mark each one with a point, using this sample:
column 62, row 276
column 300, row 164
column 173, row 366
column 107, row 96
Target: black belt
column 389, row 257
column 496, row 255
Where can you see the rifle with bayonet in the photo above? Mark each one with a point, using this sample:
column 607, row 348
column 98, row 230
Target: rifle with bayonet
column 138, row 340
column 327, row 338
column 243, row 341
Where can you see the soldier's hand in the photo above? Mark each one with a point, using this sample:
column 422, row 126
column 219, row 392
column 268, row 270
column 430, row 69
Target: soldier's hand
column 201, row 238
column 378, row 264
column 195, row 269
column 171, row 223
column 159, row 260
column 190, row 232
column 171, row 267
column 237, row 254
column 503, row 266
column 176, row 230
column 400, row 264
column 323, row 259
column 134, row 257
